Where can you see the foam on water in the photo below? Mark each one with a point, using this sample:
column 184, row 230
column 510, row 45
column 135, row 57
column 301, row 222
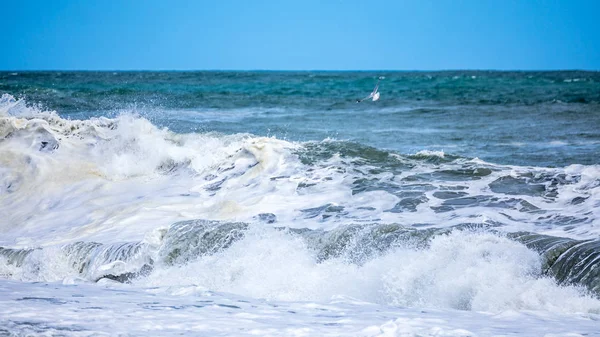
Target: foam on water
column 467, row 283
column 120, row 178
column 127, row 172
column 100, row 197
column 135, row 169
column 84, row 310
column 463, row 271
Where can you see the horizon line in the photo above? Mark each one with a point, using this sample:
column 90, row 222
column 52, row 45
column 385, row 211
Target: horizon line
column 296, row 70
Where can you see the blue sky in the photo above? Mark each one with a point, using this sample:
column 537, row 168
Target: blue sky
column 300, row 34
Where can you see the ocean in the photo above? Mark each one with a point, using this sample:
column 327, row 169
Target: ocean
column 210, row 203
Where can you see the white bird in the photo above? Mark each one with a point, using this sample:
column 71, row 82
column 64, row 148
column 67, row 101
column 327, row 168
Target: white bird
column 375, row 94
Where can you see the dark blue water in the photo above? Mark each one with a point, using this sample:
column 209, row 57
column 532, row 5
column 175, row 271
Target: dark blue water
column 525, row 118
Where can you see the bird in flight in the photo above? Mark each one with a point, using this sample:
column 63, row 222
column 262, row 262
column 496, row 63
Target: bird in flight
column 373, row 95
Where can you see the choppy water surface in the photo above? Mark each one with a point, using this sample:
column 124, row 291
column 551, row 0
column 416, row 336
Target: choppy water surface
column 460, row 203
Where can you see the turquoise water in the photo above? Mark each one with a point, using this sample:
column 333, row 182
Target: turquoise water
column 524, row 118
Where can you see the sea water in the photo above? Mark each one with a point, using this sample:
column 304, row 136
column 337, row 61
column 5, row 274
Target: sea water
column 271, row 203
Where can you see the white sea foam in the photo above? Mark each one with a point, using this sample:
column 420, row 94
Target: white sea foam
column 463, row 270
column 125, row 180
column 440, row 154
column 106, row 179
column 464, row 284
column 84, row 310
